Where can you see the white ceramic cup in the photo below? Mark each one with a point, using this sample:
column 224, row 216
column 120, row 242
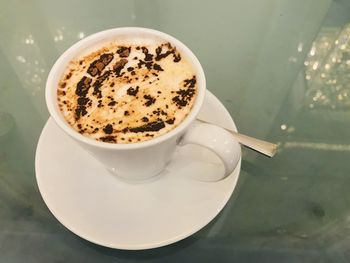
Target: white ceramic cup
column 143, row 160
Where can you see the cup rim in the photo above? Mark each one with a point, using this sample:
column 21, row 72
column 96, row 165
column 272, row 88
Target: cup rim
column 71, row 52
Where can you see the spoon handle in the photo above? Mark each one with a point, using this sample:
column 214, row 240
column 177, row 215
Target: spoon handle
column 261, row 146
column 264, row 147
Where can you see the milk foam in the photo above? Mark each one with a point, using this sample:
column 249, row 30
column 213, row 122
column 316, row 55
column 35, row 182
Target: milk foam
column 127, row 90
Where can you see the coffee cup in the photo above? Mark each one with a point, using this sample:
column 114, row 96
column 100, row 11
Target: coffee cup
column 140, row 161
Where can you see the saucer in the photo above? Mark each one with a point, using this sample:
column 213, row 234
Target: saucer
column 97, row 206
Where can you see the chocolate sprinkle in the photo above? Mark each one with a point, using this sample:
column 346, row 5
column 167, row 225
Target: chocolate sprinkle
column 99, row 103
column 177, row 57
column 83, row 86
column 148, row 56
column 161, row 55
column 108, row 129
column 133, row 92
column 171, row 50
column 98, row 65
column 124, row 52
column 148, row 65
column 80, row 111
column 108, row 139
column 69, row 75
column 150, row 100
column 83, row 101
column 119, row 65
column 170, row 121
column 98, row 84
column 158, row 67
column 149, row 127
column 159, row 112
column 190, row 82
column 185, row 95
column 82, row 90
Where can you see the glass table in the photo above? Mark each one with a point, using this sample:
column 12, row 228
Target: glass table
column 281, row 68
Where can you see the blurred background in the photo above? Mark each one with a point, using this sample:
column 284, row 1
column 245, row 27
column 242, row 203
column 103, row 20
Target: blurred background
column 281, row 68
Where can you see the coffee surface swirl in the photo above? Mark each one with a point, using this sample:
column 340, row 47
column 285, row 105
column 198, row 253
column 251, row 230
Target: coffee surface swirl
column 127, row 90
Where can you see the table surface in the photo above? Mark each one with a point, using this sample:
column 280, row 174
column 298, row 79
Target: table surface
column 282, row 69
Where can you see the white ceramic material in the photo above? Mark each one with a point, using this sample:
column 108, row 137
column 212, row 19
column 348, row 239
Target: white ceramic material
column 99, row 207
column 143, row 160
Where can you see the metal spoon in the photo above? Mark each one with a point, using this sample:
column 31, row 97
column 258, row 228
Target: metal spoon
column 264, row 147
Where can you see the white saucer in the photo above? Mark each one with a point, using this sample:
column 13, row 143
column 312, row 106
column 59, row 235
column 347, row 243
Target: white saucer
column 100, row 208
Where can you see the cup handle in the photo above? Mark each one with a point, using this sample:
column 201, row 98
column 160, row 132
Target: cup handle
column 217, row 140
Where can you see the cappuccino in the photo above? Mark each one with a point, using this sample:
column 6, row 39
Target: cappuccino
column 127, row 90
